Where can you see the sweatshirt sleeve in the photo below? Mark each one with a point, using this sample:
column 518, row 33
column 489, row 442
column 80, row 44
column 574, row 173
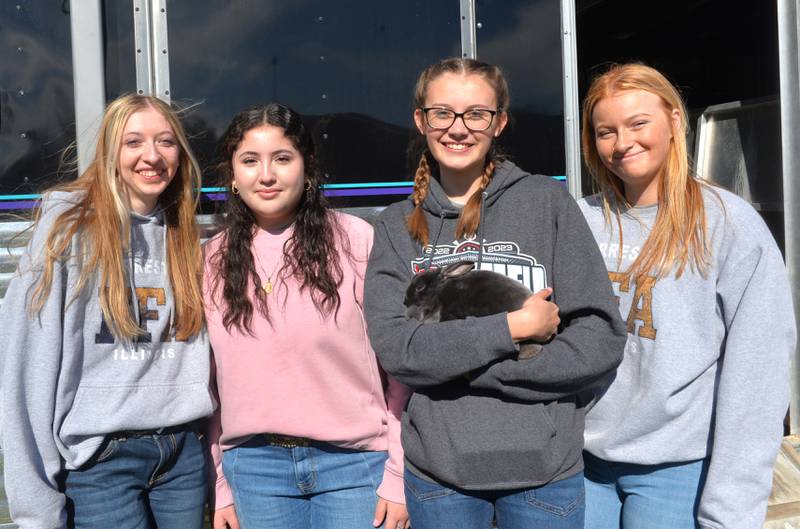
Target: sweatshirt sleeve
column 592, row 336
column 220, row 492
column 392, row 488
column 753, row 385
column 395, row 393
column 30, row 357
column 423, row 355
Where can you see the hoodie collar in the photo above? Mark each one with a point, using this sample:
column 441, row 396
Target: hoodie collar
column 505, row 175
column 155, row 217
column 437, row 202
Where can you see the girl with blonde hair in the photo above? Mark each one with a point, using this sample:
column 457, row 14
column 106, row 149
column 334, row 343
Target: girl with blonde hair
column 686, row 434
column 105, row 359
column 486, row 434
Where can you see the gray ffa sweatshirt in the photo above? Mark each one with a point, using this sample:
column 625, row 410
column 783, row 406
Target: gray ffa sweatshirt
column 66, row 382
column 513, row 423
column 706, row 365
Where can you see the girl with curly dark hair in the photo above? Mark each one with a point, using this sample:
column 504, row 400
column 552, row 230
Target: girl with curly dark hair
column 308, row 424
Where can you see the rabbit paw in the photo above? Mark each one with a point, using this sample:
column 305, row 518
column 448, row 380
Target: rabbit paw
column 528, row 350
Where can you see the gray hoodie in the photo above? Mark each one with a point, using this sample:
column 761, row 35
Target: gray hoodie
column 706, row 365
column 65, row 382
column 516, row 423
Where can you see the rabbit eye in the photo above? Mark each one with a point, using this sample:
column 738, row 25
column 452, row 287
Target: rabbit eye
column 420, row 288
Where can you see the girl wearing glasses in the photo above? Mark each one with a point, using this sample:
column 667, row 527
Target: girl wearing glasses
column 485, row 434
column 687, row 433
column 307, row 433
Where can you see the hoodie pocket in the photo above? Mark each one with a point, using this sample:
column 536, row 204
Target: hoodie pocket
column 102, row 410
column 482, row 442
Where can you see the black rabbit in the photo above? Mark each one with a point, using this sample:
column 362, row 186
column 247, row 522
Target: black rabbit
column 458, row 290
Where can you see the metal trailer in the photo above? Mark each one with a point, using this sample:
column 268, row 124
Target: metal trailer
column 349, row 67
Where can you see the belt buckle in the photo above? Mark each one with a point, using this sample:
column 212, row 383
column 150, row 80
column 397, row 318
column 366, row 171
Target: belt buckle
column 285, row 441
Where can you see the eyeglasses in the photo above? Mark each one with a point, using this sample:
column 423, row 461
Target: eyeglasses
column 476, row 120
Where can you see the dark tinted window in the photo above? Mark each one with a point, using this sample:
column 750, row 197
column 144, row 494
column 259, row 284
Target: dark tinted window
column 523, row 38
column 348, row 66
column 36, row 97
column 715, row 51
column 120, row 55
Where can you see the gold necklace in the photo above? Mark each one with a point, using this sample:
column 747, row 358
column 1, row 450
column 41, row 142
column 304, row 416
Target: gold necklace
column 268, row 286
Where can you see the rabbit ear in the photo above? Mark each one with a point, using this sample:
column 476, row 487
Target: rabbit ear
column 458, row 269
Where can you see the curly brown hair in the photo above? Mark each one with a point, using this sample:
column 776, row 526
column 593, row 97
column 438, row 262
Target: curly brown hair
column 309, row 255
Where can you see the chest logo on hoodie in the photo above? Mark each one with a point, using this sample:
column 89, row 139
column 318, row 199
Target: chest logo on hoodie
column 503, row 257
column 144, row 296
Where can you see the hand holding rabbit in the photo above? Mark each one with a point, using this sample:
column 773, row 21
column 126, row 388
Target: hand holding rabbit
column 537, row 319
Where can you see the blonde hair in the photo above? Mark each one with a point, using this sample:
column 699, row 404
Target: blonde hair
column 102, row 218
column 678, row 237
column 470, row 215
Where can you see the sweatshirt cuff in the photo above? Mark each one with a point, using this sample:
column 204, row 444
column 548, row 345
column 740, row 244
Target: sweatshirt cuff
column 53, row 516
column 222, row 495
column 492, row 336
column 392, row 488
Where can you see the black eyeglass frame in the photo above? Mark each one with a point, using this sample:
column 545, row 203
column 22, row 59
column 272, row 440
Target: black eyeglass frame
column 461, row 115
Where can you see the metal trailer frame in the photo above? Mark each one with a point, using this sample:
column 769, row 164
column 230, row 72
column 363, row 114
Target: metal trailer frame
column 572, row 109
column 152, row 50
column 86, row 33
column 789, row 65
column 152, row 64
column 469, row 46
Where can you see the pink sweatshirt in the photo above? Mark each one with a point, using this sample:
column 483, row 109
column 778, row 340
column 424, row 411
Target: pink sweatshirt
column 303, row 375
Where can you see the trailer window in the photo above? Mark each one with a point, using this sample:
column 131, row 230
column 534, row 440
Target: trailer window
column 349, row 67
column 523, row 38
column 37, row 116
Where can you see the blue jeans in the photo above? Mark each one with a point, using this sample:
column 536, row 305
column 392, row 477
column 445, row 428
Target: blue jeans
column 557, row 505
column 628, row 496
column 140, row 482
column 319, row 486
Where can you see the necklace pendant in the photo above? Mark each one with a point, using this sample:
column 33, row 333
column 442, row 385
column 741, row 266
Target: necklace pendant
column 267, row 288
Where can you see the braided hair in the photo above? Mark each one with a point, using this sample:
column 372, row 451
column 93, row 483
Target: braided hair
column 470, row 216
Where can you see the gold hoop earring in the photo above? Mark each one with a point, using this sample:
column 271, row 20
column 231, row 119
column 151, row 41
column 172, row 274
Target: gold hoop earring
column 308, row 185
column 234, row 188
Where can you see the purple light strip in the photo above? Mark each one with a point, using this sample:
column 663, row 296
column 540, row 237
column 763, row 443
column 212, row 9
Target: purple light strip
column 19, row 204
column 368, row 191
column 343, row 192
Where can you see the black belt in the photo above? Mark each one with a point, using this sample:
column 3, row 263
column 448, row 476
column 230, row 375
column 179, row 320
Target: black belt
column 286, row 441
column 193, row 426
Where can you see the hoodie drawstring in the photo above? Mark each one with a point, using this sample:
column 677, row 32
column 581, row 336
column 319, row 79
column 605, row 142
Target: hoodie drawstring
column 165, row 277
column 484, row 196
column 131, row 282
column 436, row 240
